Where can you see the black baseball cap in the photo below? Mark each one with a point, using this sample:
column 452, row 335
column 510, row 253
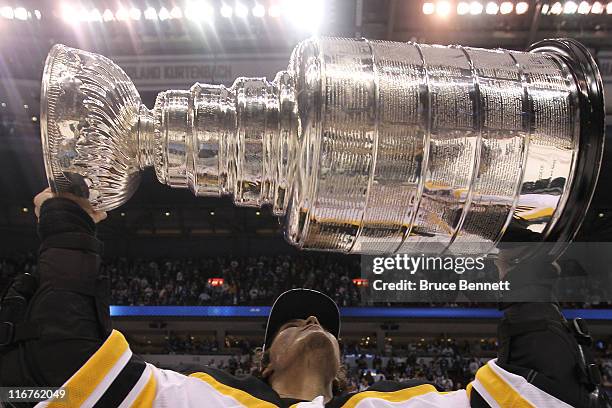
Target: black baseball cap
column 301, row 304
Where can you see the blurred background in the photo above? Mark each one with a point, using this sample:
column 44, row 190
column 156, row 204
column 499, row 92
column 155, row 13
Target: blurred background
column 192, row 278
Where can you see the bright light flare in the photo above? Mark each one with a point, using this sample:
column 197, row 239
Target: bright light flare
column 584, row 7
column 597, row 8
column 570, row 7
column 556, row 8
column 68, row 13
column 443, row 8
column 226, row 11
column 150, row 14
column 135, row 13
column 164, row 14
column 609, row 8
column 258, row 10
column 274, row 11
column 199, row 11
column 83, row 15
column 429, row 8
column 21, row 13
column 463, row 8
column 306, row 16
column 95, row 15
column 176, row 12
column 108, row 15
column 122, row 14
column 476, row 8
column 506, row 7
column 241, row 10
column 7, row 12
column 491, row 8
column 521, row 7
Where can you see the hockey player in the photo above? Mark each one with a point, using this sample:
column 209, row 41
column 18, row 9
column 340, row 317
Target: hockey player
column 55, row 330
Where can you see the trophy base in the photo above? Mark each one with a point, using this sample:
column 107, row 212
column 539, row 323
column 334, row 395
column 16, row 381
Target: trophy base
column 585, row 191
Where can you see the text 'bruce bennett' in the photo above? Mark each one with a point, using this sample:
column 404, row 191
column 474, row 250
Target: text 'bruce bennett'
column 425, row 285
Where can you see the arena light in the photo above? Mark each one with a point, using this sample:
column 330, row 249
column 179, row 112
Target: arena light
column 38, row 14
column 314, row 16
column 95, row 15
column 258, row 10
column 135, row 13
column 241, row 10
column 7, row 12
column 463, row 8
column 570, row 7
column 164, row 14
column 150, row 14
column 360, row 282
column 609, row 8
column 521, row 7
column 108, row 15
column 443, row 8
column 506, row 7
column 226, row 11
column 304, row 16
column 68, row 13
column 82, row 15
column 274, row 11
column 21, row 13
column 292, row 10
column 556, row 8
column 491, row 8
column 429, row 8
column 199, row 11
column 476, row 8
column 545, row 9
column 584, row 7
column 122, row 14
column 597, row 8
column 176, row 12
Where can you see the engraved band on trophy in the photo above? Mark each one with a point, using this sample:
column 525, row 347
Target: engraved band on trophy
column 361, row 145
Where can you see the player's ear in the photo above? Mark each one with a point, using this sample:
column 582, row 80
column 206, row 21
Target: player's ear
column 267, row 371
column 265, row 366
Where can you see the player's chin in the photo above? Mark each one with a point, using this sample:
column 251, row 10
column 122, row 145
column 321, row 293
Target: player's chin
column 319, row 340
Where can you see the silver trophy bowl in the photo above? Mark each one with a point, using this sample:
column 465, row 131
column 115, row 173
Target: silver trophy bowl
column 362, row 146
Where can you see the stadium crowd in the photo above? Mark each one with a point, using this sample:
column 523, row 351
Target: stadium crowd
column 243, row 280
column 224, row 280
column 257, row 281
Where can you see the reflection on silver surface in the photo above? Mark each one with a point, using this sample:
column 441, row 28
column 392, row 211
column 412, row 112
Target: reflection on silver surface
column 361, row 145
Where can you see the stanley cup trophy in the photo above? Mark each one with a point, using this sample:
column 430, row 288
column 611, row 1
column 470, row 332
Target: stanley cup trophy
column 362, row 146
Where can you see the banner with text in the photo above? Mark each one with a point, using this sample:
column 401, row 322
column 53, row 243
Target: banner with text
column 161, row 72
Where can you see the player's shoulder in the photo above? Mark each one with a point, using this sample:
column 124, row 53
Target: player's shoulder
column 244, row 386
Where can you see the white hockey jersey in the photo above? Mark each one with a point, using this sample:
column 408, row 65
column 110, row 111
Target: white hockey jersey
column 114, row 377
